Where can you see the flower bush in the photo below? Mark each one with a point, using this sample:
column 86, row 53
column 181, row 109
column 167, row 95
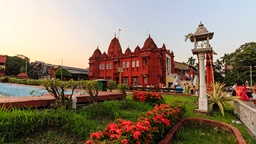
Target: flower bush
column 149, row 128
column 152, row 98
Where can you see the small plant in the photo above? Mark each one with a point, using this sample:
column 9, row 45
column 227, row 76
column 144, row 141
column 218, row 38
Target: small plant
column 217, row 98
column 123, row 88
column 92, row 88
column 111, row 85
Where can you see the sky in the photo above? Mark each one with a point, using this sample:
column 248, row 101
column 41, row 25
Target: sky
column 68, row 31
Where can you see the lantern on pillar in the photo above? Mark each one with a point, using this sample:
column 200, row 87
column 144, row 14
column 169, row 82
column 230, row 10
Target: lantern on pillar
column 201, row 48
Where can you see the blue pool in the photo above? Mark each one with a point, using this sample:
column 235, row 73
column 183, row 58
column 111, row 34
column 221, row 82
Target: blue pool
column 13, row 90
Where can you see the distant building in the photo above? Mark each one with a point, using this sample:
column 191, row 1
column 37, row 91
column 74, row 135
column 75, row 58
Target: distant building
column 2, row 65
column 144, row 66
column 46, row 70
column 185, row 71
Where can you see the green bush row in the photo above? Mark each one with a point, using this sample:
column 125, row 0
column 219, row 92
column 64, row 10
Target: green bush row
column 20, row 81
column 17, row 124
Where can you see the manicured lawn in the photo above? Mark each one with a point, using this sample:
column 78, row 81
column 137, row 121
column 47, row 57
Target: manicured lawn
column 202, row 134
column 229, row 115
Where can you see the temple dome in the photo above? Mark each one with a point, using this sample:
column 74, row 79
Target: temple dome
column 149, row 44
column 104, row 56
column 96, row 53
column 137, row 50
column 128, row 51
column 114, row 48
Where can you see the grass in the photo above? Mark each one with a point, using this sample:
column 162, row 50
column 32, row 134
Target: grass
column 196, row 133
column 229, row 115
column 61, row 125
column 74, row 126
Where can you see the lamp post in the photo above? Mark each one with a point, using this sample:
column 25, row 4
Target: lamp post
column 120, row 70
column 202, row 35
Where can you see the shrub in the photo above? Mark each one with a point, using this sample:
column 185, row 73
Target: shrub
column 217, row 98
column 92, row 88
column 152, row 98
column 57, row 89
column 111, row 85
column 149, row 128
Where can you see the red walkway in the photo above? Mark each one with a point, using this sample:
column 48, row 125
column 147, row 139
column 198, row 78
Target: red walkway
column 46, row 100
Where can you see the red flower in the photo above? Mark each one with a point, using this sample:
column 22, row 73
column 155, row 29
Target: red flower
column 90, row 142
column 136, row 135
column 96, row 135
column 125, row 141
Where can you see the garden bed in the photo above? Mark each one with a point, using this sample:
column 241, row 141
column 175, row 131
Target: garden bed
column 170, row 135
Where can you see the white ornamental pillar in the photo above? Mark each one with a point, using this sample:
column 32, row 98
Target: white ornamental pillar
column 203, row 105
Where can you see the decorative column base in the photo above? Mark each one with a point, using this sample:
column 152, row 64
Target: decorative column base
column 203, row 107
column 203, row 104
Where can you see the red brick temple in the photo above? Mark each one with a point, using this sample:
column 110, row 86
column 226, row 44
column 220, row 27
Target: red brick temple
column 144, row 66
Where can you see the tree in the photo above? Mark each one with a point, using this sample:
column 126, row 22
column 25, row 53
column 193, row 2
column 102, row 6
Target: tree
column 92, row 88
column 62, row 73
column 218, row 65
column 57, row 88
column 111, row 85
column 16, row 64
column 191, row 61
column 241, row 60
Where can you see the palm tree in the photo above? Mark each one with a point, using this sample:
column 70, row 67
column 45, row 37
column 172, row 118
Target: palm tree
column 191, row 61
column 218, row 65
column 225, row 59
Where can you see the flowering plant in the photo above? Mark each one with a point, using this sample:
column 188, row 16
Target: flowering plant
column 152, row 98
column 149, row 128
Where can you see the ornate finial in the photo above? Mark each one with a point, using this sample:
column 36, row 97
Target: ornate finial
column 201, row 24
column 115, row 35
column 149, row 36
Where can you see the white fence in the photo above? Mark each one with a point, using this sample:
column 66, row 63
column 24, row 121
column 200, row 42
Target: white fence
column 247, row 115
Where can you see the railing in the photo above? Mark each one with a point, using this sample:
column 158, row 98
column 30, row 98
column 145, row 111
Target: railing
column 157, row 89
column 247, row 115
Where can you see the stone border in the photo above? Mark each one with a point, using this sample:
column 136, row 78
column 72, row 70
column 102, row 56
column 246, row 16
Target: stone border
column 168, row 137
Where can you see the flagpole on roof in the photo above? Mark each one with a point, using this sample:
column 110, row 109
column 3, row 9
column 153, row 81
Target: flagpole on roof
column 119, row 32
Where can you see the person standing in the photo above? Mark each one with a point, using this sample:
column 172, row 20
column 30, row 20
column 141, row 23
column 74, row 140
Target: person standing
column 187, row 88
column 254, row 94
column 192, row 88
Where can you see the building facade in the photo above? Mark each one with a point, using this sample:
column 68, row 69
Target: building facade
column 144, row 66
column 2, row 65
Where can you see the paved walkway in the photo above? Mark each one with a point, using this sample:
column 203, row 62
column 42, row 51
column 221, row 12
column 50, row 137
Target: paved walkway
column 47, row 100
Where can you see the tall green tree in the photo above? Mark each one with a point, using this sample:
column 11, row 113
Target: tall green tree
column 241, row 60
column 63, row 74
column 17, row 64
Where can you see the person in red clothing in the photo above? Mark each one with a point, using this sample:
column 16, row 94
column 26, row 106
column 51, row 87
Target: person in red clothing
column 243, row 93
